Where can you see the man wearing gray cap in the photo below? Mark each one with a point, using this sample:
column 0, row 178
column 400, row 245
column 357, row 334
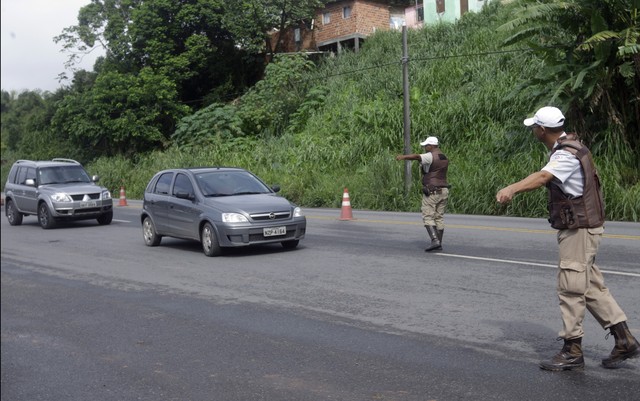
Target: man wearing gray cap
column 576, row 210
column 435, row 189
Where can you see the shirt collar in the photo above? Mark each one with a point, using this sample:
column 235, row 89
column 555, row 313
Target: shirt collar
column 563, row 135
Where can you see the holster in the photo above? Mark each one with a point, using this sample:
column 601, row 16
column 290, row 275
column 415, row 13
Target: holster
column 431, row 189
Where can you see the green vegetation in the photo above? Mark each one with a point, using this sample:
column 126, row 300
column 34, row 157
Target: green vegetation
column 317, row 128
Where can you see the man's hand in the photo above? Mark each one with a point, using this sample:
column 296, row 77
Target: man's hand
column 505, row 195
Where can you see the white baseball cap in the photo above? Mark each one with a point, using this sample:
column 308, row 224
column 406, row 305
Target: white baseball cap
column 547, row 117
column 432, row 140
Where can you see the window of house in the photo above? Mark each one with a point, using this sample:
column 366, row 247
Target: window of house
column 326, row 18
column 346, row 12
column 296, row 35
column 396, row 22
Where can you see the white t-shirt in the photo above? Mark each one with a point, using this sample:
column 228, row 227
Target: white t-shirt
column 425, row 161
column 566, row 168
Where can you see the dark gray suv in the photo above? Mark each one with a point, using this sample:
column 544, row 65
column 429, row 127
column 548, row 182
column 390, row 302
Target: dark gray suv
column 55, row 190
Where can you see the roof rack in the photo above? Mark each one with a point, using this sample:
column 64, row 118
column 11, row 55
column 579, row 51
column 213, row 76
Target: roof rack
column 60, row 159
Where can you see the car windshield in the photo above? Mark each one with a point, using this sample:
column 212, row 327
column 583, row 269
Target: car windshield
column 62, row 175
column 229, row 183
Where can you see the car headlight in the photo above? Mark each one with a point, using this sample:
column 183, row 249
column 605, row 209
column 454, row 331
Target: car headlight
column 297, row 212
column 106, row 195
column 234, row 218
column 61, row 197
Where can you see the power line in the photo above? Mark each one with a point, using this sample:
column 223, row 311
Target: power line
column 399, row 62
column 471, row 54
column 440, row 57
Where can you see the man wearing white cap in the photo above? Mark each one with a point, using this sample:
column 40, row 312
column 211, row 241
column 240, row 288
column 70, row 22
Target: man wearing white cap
column 435, row 189
column 576, row 210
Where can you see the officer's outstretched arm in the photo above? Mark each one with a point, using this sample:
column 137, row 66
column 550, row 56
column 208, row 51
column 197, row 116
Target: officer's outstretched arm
column 533, row 181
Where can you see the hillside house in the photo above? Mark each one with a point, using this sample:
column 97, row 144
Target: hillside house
column 345, row 24
column 434, row 11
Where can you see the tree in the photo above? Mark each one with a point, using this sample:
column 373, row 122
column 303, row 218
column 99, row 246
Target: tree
column 266, row 108
column 121, row 114
column 591, row 52
column 102, row 24
column 163, row 58
column 26, row 125
column 20, row 113
column 185, row 41
column 252, row 20
column 209, row 126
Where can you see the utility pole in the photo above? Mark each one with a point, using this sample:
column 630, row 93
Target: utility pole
column 407, row 118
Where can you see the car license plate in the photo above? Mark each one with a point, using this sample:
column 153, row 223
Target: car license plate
column 88, row 204
column 273, row 231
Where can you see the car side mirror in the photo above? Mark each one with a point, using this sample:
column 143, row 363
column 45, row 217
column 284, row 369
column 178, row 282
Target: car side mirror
column 95, row 178
column 185, row 195
column 276, row 188
column 30, row 182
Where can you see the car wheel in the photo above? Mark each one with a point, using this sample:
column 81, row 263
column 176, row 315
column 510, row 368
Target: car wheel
column 210, row 244
column 106, row 218
column 13, row 215
column 290, row 244
column 151, row 237
column 44, row 216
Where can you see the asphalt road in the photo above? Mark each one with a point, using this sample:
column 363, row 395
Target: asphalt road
column 357, row 312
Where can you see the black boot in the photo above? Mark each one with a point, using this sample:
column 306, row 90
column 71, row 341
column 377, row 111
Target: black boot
column 626, row 346
column 433, row 235
column 440, row 234
column 569, row 357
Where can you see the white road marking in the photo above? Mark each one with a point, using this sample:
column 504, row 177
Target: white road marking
column 519, row 262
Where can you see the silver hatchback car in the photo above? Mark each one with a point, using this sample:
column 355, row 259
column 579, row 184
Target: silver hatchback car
column 55, row 190
column 219, row 207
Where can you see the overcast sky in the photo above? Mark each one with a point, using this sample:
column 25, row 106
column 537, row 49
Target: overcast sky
column 30, row 58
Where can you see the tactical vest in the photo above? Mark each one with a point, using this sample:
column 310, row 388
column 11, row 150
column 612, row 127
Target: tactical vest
column 586, row 211
column 437, row 174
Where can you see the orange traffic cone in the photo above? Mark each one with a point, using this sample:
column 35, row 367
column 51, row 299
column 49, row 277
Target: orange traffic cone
column 123, row 197
column 346, row 213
